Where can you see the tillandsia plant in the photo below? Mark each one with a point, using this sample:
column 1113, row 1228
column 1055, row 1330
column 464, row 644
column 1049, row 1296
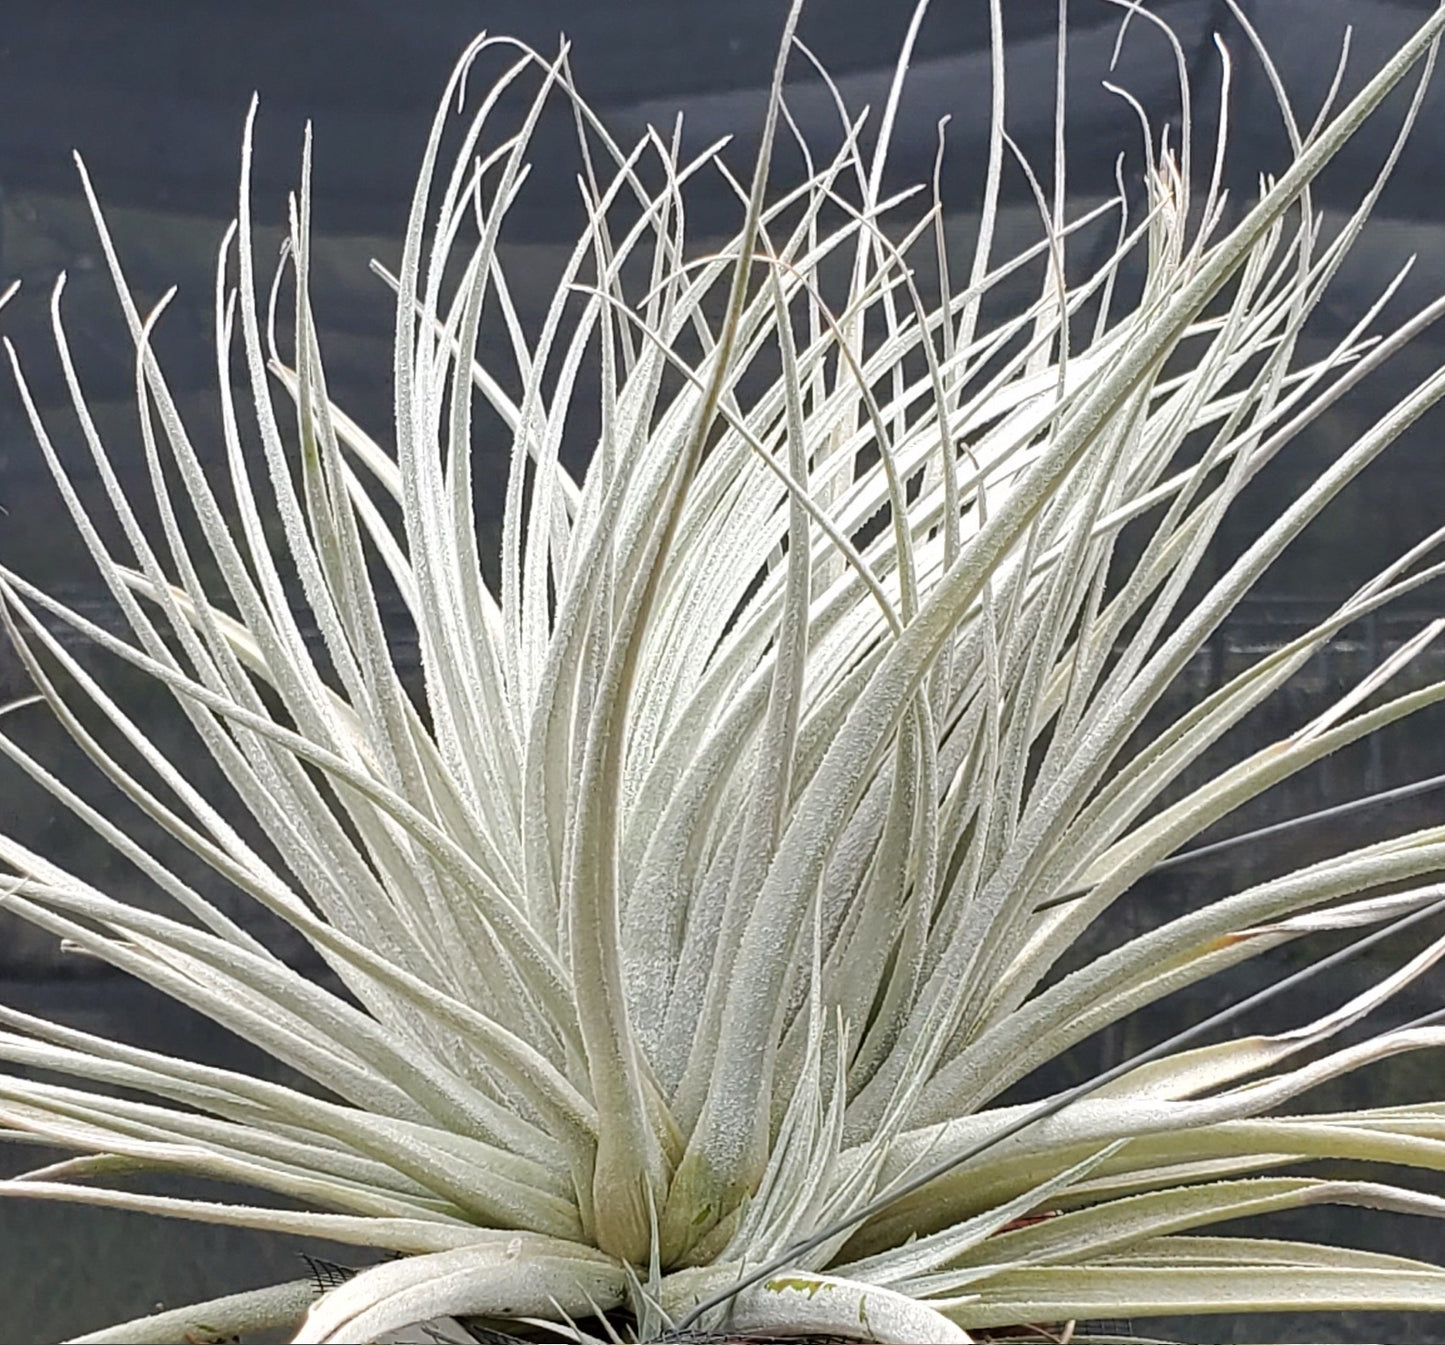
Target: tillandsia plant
column 694, row 916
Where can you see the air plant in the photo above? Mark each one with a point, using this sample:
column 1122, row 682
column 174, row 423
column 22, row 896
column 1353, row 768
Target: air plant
column 695, row 916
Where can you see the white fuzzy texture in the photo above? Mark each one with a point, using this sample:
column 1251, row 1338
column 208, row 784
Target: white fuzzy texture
column 706, row 897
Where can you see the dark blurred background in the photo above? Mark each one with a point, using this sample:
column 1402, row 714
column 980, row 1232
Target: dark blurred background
column 152, row 93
